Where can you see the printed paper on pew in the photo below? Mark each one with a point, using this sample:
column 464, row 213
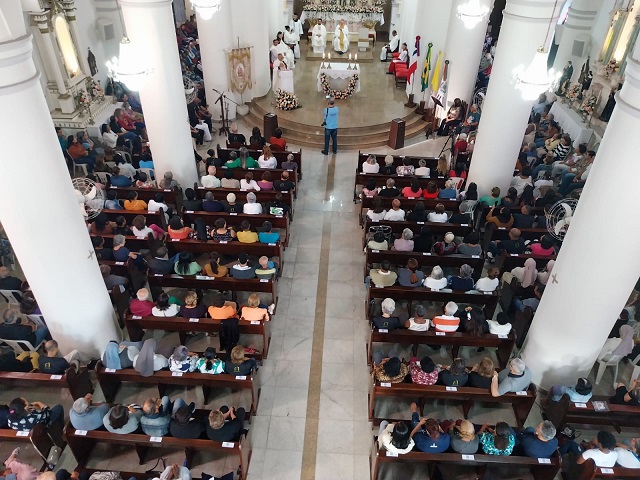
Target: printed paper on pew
column 110, row 370
column 451, row 389
column 608, row 471
column 385, row 384
column 23, row 433
column 468, row 457
column 255, row 322
column 383, row 330
column 56, row 377
column 392, row 454
column 155, row 439
column 241, row 377
column 522, row 393
column 580, row 405
column 81, row 433
column 544, row 460
column 194, row 320
column 176, row 374
column 228, row 444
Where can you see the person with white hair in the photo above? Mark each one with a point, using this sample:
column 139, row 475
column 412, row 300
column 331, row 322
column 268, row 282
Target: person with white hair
column 210, row 180
column 234, row 136
column 447, row 322
column 422, row 171
column 341, row 38
column 540, row 442
column 86, row 415
column 371, row 165
column 252, row 206
column 436, row 280
column 141, row 306
column 405, row 242
column 387, row 320
column 168, row 181
column 514, row 379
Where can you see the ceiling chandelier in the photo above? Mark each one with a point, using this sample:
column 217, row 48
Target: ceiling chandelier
column 472, row 13
column 206, row 8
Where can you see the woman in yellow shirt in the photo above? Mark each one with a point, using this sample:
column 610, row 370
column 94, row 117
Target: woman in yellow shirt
column 246, row 235
column 133, row 203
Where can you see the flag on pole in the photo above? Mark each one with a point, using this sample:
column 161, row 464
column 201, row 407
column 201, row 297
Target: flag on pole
column 442, row 91
column 413, row 66
column 426, row 69
column 435, row 79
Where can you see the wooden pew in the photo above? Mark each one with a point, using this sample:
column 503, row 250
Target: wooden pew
column 254, row 285
column 78, row 383
column 172, row 196
column 279, row 222
column 488, row 300
column 263, row 196
column 493, row 233
column 223, row 154
column 407, row 204
column 38, row 436
column 81, row 444
column 508, row 262
column 589, row 471
column 110, row 381
column 424, row 259
column 276, row 173
column 618, row 416
column 432, row 162
column 502, row 343
column 152, row 217
column 136, row 326
column 540, row 470
column 522, row 402
column 436, row 228
column 401, row 181
column 271, row 250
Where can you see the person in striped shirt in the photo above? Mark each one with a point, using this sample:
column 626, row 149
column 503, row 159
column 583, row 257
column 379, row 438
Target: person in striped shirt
column 447, row 322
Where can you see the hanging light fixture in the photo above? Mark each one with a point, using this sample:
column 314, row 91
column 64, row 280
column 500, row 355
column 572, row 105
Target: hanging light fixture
column 128, row 67
column 537, row 78
column 206, row 8
column 472, row 13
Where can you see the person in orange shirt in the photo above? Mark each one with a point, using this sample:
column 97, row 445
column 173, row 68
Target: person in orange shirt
column 447, row 322
column 221, row 310
column 80, row 154
column 254, row 310
column 133, row 203
column 278, row 141
column 177, row 229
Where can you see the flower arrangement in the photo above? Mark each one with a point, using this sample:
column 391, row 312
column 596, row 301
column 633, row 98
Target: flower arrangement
column 573, row 92
column 610, row 68
column 330, row 8
column 95, row 89
column 339, row 94
column 286, row 100
column 82, row 100
column 589, row 104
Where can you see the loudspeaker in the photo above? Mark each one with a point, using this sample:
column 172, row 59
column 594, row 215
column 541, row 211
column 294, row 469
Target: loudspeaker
column 106, row 29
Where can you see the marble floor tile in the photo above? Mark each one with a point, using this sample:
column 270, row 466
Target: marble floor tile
column 337, row 466
column 286, row 433
column 293, row 374
column 299, row 326
column 335, row 436
column 290, row 402
column 282, row 464
column 296, row 349
column 338, row 351
column 338, row 328
column 336, row 404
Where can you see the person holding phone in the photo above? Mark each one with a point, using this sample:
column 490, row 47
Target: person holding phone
column 330, row 125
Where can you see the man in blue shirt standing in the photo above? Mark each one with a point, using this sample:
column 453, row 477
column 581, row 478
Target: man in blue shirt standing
column 330, row 126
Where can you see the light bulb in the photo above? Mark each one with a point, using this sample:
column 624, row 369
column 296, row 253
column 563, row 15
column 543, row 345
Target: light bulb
column 472, row 13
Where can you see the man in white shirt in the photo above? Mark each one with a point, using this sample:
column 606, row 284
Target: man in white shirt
column 210, row 180
column 396, row 214
column 541, row 186
column 341, row 38
column 390, row 47
column 319, row 37
column 490, row 282
column 602, row 453
column 500, row 326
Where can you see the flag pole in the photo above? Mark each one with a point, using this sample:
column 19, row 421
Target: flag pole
column 412, row 67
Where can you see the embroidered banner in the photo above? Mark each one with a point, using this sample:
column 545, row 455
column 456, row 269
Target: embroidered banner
column 240, row 69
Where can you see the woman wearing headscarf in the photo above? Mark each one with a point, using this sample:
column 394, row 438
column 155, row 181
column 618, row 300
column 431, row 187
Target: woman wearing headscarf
column 147, row 361
column 544, row 275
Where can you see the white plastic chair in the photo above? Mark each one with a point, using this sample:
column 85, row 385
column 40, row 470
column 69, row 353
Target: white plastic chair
column 12, row 296
column 151, row 174
column 608, row 361
column 102, row 176
column 37, row 319
column 363, row 39
column 125, row 155
column 471, row 207
column 20, row 346
column 81, row 166
column 636, row 368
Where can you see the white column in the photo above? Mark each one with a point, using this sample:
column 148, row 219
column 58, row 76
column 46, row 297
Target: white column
column 431, row 22
column 580, row 20
column 253, row 30
column 505, row 113
column 149, row 25
column 577, row 311
column 215, row 38
column 67, row 283
column 463, row 50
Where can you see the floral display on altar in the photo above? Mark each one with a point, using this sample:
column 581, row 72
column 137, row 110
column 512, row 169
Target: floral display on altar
column 339, row 94
column 573, row 92
column 286, row 100
column 588, row 105
column 610, row 68
column 341, row 6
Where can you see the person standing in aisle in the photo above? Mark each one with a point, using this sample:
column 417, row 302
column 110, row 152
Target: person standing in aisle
column 330, row 125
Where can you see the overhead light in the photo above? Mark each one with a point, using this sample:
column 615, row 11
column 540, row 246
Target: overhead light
column 536, row 78
column 206, row 8
column 472, row 13
column 128, row 67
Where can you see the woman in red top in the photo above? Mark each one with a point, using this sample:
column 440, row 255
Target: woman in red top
column 278, row 141
column 80, row 154
column 177, row 230
column 413, row 191
column 431, row 191
column 130, row 126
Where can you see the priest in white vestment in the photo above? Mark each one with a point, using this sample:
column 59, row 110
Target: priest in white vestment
column 280, row 65
column 319, row 37
column 287, row 53
column 295, row 27
column 291, row 39
column 341, row 38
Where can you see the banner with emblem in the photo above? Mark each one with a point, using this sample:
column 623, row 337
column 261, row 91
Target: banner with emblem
column 240, row 69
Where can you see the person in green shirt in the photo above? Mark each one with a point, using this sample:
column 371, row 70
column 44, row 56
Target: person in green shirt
column 185, row 265
column 241, row 161
column 493, row 199
column 497, row 441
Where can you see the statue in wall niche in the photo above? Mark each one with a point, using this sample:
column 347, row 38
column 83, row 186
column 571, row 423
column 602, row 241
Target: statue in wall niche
column 91, row 59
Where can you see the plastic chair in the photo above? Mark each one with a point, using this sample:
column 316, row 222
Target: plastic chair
column 12, row 296
column 471, row 207
column 125, row 155
column 81, row 166
column 20, row 346
column 37, row 319
column 102, row 176
column 636, row 368
column 608, row 361
column 150, row 172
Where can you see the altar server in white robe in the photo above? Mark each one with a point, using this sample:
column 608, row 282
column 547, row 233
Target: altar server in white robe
column 341, row 38
column 284, row 49
column 390, row 47
column 319, row 37
column 273, row 51
column 291, row 39
column 295, row 27
column 279, row 65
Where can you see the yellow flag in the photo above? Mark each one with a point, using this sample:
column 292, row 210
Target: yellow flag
column 435, row 79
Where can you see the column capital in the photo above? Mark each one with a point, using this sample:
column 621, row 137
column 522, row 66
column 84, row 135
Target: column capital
column 16, row 66
column 532, row 10
column 146, row 3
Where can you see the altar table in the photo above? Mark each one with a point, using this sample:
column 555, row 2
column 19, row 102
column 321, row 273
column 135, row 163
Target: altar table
column 338, row 74
column 572, row 123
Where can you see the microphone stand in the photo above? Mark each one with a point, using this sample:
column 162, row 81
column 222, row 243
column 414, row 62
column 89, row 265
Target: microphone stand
column 224, row 115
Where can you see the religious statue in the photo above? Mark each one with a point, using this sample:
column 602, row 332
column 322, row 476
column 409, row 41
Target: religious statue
column 567, row 73
column 611, row 104
column 91, row 59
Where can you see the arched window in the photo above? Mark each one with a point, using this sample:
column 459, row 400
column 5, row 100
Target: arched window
column 67, row 47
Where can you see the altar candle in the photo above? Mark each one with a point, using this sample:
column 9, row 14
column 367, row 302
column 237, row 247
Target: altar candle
column 329, row 57
column 356, row 57
column 349, row 57
column 322, row 55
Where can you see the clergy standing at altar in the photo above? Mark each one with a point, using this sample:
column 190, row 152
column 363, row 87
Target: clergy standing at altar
column 282, row 77
column 295, row 28
column 319, row 37
column 286, row 52
column 341, row 38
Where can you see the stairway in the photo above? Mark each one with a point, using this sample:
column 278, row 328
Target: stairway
column 354, row 138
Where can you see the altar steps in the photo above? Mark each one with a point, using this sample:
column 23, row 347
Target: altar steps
column 351, row 138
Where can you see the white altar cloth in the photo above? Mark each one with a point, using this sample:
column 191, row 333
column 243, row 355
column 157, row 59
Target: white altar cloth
column 338, row 71
column 571, row 122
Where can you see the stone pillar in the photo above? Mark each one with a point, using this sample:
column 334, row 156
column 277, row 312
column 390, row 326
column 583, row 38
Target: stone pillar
column 69, row 8
column 463, row 50
column 215, row 39
column 68, row 285
column 580, row 20
column 576, row 313
column 505, row 113
column 150, row 28
column 253, row 30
